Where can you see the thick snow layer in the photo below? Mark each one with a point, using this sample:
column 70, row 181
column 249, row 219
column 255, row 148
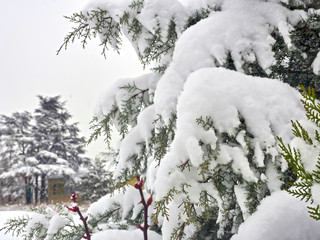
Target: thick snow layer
column 128, row 201
column 266, row 105
column 195, row 85
column 156, row 14
column 192, row 5
column 115, row 8
column 113, row 95
column 240, row 29
column 280, row 216
column 56, row 223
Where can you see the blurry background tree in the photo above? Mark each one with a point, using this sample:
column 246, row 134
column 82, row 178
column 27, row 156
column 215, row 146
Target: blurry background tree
column 97, row 181
column 34, row 147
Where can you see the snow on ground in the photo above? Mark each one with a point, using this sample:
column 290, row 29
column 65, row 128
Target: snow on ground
column 280, row 216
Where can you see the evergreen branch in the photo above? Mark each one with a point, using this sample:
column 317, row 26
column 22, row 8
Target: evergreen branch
column 294, row 160
column 162, row 137
column 311, row 106
column 136, row 5
column 103, row 126
column 161, row 206
column 299, row 131
column 83, row 30
column 16, row 225
column 302, row 192
column 91, row 24
column 317, row 136
column 94, row 224
column 178, row 233
column 314, row 212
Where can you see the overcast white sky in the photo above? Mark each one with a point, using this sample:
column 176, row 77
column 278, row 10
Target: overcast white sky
column 31, row 32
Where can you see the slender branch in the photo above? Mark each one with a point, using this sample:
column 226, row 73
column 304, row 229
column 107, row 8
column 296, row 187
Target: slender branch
column 139, row 186
column 114, row 210
column 83, row 219
column 184, row 165
column 71, row 36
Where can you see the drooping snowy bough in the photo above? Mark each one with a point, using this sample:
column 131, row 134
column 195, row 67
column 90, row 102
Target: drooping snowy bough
column 220, row 158
column 204, row 136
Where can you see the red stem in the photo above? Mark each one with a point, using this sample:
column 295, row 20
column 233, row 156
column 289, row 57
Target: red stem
column 85, row 224
column 145, row 209
column 77, row 210
column 139, row 186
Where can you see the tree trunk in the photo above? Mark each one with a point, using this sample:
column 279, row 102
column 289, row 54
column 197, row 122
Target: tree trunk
column 28, row 190
column 36, row 189
column 43, row 189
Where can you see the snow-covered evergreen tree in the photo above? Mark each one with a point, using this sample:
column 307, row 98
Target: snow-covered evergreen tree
column 34, row 147
column 203, row 137
column 201, row 129
column 59, row 148
column 17, row 156
column 96, row 182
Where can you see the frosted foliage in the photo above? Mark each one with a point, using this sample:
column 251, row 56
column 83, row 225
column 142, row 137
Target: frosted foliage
column 56, row 223
column 192, row 5
column 250, row 97
column 130, row 200
column 155, row 14
column 265, row 105
column 239, row 29
column 224, row 123
column 234, row 94
column 279, row 216
column 309, row 152
column 139, row 133
column 115, row 8
column 113, row 95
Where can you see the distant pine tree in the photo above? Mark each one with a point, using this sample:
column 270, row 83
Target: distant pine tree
column 58, row 145
column 35, row 147
column 17, row 156
column 96, row 182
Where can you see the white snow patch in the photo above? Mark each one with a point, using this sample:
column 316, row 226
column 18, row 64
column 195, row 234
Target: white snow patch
column 280, row 216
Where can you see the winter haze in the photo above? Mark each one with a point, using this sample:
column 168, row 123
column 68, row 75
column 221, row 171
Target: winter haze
column 31, row 33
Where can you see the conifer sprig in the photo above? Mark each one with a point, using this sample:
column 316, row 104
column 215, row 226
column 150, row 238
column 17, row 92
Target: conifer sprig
column 301, row 188
column 92, row 24
column 311, row 104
